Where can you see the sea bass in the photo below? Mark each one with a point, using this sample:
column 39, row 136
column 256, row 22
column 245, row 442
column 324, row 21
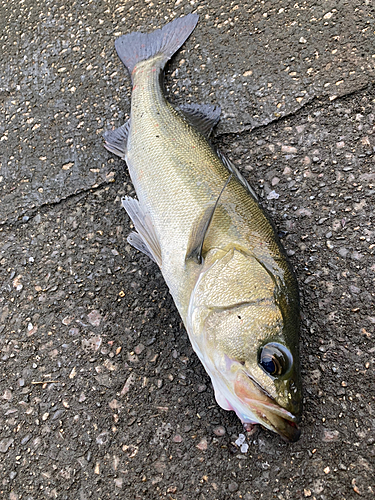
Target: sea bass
column 200, row 221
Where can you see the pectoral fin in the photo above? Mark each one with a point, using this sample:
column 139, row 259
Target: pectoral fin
column 145, row 239
column 200, row 229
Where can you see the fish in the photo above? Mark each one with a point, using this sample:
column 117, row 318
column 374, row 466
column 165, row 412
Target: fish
column 200, row 221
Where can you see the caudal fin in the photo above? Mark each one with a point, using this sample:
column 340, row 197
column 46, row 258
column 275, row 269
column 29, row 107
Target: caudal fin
column 137, row 46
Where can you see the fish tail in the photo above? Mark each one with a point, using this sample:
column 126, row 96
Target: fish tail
column 137, row 46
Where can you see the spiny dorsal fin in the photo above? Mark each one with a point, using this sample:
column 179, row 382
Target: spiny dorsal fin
column 145, row 239
column 203, row 117
column 199, row 231
column 234, row 170
column 116, row 140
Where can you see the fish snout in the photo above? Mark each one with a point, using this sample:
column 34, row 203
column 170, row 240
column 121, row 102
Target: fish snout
column 269, row 413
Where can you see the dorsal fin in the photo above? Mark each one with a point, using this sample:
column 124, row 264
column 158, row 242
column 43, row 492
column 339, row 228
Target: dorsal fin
column 203, row 117
column 199, row 231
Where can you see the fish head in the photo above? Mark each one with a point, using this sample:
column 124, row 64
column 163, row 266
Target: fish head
column 245, row 331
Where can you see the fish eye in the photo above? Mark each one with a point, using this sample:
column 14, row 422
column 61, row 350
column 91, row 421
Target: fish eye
column 275, row 359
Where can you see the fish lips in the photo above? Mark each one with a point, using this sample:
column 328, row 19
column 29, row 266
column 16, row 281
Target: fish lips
column 268, row 412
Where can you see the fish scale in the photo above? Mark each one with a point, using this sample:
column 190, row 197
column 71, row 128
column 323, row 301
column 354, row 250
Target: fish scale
column 218, row 251
column 177, row 162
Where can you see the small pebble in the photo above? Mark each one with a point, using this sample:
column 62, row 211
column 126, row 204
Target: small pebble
column 5, row 444
column 202, row 445
column 102, row 438
column 343, row 252
column 114, row 404
column 26, row 439
column 219, row 431
column 139, row 348
column 273, row 195
column 330, row 436
column 129, row 382
column 118, row 482
column 58, row 414
column 288, row 149
column 233, row 487
column 67, row 320
column 94, row 318
column 92, row 343
column 82, row 397
column 7, row 395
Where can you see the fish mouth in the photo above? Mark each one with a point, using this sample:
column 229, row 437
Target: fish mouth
column 268, row 412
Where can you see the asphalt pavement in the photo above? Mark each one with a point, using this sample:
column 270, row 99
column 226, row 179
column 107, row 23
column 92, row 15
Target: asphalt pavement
column 101, row 394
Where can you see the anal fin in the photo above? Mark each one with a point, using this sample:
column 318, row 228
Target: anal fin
column 116, row 140
column 145, row 239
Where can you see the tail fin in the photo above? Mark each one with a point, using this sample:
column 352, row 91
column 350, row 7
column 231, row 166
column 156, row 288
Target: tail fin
column 137, row 46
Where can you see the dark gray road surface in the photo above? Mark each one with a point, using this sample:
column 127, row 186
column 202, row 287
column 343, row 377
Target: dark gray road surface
column 101, row 395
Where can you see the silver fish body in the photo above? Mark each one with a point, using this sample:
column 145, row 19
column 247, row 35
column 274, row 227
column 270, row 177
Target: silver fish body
column 218, row 252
